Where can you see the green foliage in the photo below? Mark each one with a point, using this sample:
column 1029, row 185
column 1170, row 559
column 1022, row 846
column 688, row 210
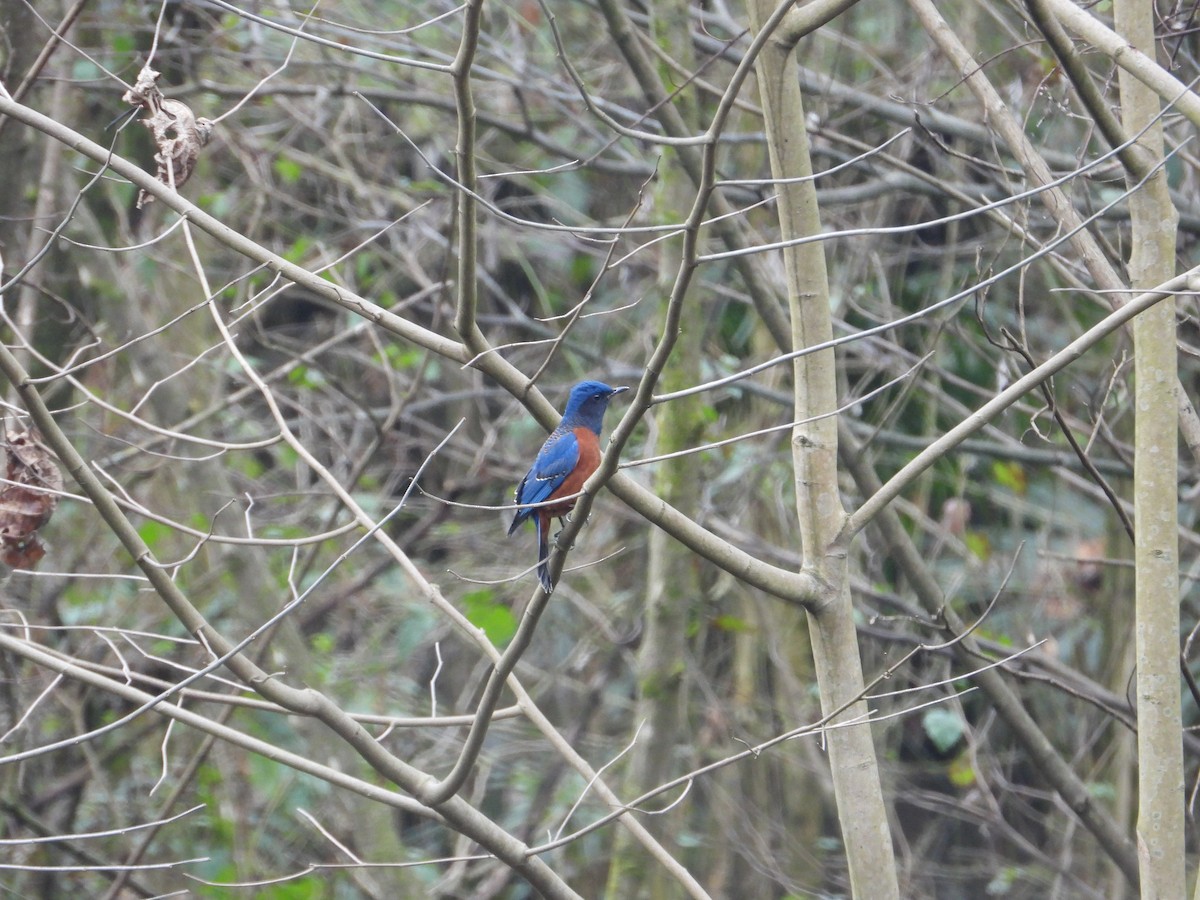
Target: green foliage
column 978, row 543
column 1010, row 475
column 583, row 269
column 943, row 727
column 299, row 249
column 961, row 772
column 737, row 328
column 400, row 356
column 732, row 624
column 288, row 170
column 153, row 533
column 303, row 376
column 220, row 204
column 322, row 643
column 1004, row 881
column 487, row 611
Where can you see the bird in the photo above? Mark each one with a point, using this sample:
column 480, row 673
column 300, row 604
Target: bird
column 568, row 458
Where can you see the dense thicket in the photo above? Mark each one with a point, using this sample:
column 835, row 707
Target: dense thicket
column 487, row 203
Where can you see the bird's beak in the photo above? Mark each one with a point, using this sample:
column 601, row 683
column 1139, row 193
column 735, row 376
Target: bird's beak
column 618, row 390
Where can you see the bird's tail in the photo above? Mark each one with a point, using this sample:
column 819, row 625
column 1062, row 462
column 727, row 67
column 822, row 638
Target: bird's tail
column 517, row 521
column 543, row 566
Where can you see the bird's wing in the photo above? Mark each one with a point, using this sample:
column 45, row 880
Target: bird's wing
column 555, row 461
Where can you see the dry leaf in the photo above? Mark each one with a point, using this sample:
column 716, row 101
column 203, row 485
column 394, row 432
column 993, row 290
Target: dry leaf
column 178, row 133
column 26, row 500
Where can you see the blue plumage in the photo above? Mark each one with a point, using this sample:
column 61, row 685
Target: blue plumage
column 555, row 461
column 567, row 459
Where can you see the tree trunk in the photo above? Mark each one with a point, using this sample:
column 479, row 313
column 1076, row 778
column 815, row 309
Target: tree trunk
column 1152, row 260
column 861, row 812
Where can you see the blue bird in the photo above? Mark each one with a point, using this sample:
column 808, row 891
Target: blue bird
column 568, row 458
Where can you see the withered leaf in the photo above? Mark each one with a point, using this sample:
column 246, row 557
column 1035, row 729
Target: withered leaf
column 27, row 499
column 178, row 133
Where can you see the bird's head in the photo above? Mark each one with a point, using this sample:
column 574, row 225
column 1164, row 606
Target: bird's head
column 587, row 403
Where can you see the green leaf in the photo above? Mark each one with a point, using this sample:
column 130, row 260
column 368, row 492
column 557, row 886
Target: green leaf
column 153, row 532
column 249, row 465
column 297, row 251
column 399, row 357
column 960, row 772
column 303, row 376
column 731, row 623
column 322, row 643
column 583, row 268
column 495, row 618
column 943, row 727
column 977, row 542
column 1003, row 881
column 288, row 170
column 1010, row 475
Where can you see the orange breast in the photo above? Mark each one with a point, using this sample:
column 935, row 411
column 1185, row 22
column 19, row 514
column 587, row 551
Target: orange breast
column 589, row 461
